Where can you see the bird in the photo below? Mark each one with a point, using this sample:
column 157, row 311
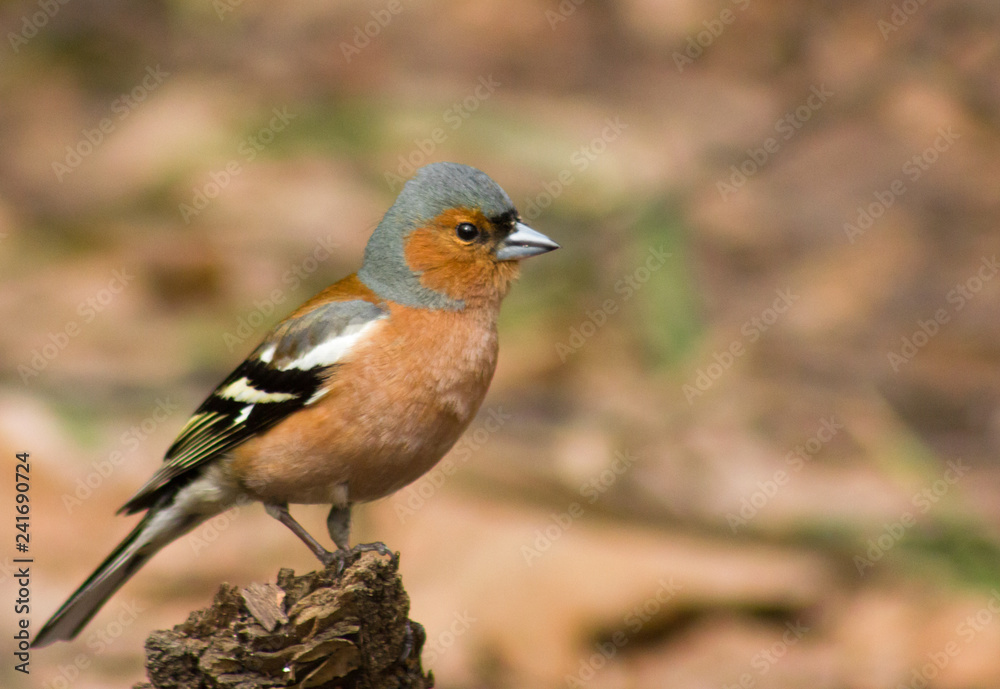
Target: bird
column 354, row 395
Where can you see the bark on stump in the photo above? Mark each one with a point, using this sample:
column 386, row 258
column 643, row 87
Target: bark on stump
column 316, row 630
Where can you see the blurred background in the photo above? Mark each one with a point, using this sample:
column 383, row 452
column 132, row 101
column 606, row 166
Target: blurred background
column 745, row 426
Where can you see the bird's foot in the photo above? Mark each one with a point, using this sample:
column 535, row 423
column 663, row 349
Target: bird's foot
column 410, row 640
column 336, row 559
column 379, row 547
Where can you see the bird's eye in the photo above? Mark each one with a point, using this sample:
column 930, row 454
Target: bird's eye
column 466, row 231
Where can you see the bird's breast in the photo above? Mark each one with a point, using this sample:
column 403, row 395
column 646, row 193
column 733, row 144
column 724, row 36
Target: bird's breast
column 395, row 406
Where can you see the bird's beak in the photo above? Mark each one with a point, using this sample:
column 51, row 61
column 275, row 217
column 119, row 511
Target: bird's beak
column 524, row 242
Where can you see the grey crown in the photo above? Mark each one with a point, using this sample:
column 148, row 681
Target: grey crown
column 432, row 190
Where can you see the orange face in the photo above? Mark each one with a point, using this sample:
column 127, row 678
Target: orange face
column 455, row 254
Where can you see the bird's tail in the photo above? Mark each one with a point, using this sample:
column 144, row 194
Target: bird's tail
column 162, row 524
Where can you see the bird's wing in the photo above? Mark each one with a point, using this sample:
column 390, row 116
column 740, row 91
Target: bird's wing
column 287, row 372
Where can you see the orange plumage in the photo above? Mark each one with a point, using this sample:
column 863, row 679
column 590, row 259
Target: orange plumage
column 357, row 393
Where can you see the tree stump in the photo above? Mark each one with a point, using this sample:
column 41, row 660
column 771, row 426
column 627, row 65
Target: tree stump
column 317, row 630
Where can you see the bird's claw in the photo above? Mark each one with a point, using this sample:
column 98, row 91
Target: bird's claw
column 379, row 547
column 410, row 639
column 337, row 559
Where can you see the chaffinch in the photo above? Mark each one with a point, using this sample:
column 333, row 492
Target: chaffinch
column 356, row 394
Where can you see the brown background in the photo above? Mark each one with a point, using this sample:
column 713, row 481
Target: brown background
column 523, row 575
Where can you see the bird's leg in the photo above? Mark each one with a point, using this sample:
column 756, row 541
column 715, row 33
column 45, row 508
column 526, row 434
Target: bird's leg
column 281, row 513
column 339, row 525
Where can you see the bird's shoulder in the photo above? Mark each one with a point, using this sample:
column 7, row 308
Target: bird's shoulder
column 289, row 370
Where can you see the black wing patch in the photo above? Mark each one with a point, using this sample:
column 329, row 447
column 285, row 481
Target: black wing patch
column 285, row 373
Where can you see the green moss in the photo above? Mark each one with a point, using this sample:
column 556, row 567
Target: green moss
column 662, row 286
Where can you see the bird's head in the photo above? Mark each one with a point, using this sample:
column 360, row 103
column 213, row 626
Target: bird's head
column 452, row 238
